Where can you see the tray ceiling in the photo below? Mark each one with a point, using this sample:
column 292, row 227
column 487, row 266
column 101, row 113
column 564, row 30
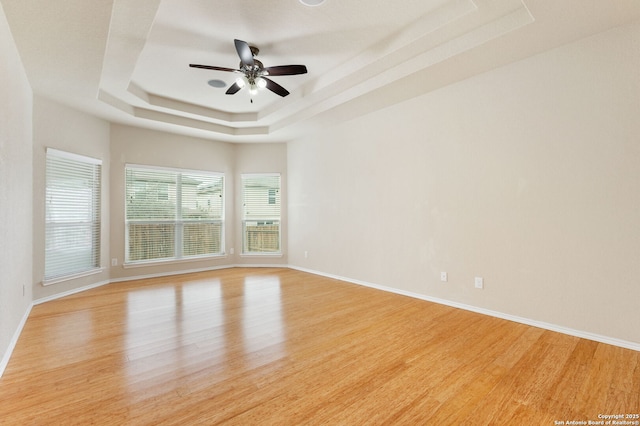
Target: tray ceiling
column 127, row 60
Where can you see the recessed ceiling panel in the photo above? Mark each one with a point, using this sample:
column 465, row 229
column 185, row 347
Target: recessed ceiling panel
column 128, row 60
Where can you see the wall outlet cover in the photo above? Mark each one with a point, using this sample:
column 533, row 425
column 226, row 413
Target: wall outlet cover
column 479, row 282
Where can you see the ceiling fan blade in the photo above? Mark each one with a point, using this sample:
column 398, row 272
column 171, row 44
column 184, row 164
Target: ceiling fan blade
column 286, row 70
column 233, row 89
column 244, row 51
column 211, row 67
column 276, row 88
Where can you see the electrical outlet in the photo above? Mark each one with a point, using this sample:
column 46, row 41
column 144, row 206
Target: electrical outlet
column 443, row 277
column 479, row 281
column 306, row 254
column 114, row 262
column 231, row 250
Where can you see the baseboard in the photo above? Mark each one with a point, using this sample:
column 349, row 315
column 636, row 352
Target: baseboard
column 70, row 292
column 260, row 265
column 170, row 273
column 142, row 277
column 191, row 271
column 522, row 320
column 14, row 340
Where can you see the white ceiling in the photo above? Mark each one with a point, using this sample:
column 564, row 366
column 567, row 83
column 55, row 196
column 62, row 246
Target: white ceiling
column 127, row 60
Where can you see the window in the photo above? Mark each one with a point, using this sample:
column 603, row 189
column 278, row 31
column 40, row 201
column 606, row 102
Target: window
column 72, row 215
column 261, row 214
column 173, row 214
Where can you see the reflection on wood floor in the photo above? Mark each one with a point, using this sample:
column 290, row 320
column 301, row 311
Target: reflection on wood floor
column 278, row 346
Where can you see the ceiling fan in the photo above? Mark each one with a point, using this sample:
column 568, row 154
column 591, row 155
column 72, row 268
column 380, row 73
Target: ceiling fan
column 254, row 74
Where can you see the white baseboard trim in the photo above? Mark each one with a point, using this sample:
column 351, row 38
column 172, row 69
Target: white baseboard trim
column 522, row 320
column 14, row 340
column 69, row 292
column 142, row 277
column 191, row 271
column 260, row 265
column 170, row 273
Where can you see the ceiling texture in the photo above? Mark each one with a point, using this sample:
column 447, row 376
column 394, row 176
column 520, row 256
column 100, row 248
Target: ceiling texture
column 127, row 61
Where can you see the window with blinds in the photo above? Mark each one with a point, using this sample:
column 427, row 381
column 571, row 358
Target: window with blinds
column 173, row 214
column 261, row 214
column 72, row 215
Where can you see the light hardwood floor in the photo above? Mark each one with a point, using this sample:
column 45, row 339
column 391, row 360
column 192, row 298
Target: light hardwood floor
column 282, row 347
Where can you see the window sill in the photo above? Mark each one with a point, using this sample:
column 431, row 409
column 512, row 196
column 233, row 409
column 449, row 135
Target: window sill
column 72, row 277
column 171, row 262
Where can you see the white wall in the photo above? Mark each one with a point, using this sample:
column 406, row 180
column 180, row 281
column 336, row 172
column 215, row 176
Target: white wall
column 528, row 175
column 60, row 127
column 15, row 191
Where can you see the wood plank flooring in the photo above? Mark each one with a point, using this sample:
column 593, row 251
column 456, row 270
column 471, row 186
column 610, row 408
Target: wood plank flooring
column 281, row 347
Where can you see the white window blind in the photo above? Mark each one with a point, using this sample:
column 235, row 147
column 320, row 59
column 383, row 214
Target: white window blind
column 72, row 215
column 261, row 213
column 173, row 214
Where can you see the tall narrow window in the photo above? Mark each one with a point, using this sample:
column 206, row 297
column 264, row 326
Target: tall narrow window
column 261, row 214
column 173, row 214
column 72, row 215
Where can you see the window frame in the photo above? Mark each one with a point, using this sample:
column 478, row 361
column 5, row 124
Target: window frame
column 90, row 166
column 267, row 220
column 178, row 221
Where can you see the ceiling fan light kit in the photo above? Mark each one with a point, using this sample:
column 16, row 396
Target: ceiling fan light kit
column 254, row 72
